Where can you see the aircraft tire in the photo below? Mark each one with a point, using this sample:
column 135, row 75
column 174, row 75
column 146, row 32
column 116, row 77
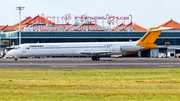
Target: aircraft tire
column 97, row 58
column 93, row 58
column 15, row 59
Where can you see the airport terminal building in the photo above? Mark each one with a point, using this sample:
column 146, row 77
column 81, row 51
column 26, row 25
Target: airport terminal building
column 36, row 31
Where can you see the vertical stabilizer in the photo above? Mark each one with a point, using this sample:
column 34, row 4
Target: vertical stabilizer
column 150, row 37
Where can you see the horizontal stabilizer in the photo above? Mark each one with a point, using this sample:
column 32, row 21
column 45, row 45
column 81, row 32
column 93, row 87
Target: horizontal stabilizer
column 161, row 29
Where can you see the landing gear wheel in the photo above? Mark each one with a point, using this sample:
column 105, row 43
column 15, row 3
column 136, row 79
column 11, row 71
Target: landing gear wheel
column 15, row 59
column 95, row 58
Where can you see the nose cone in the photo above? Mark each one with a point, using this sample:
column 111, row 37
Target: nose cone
column 11, row 53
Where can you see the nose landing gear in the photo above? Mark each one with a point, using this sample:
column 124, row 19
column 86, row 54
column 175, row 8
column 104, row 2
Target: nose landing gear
column 95, row 58
column 15, row 59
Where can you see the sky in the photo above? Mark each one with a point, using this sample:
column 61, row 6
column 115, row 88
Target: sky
column 146, row 13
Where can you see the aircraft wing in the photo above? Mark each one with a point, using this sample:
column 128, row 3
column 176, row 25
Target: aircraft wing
column 95, row 52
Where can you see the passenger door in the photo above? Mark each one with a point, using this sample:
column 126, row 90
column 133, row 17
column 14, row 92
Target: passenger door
column 23, row 49
column 113, row 47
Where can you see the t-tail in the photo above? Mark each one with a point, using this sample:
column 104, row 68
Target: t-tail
column 147, row 41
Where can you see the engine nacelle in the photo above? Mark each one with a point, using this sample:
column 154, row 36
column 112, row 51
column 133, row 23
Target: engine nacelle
column 131, row 48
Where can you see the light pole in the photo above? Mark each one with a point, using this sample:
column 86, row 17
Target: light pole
column 20, row 8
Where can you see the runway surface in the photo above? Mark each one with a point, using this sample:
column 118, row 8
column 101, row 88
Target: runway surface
column 87, row 63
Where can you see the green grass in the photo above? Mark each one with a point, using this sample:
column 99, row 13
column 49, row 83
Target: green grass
column 90, row 84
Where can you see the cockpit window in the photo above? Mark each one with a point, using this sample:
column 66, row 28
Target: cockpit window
column 16, row 48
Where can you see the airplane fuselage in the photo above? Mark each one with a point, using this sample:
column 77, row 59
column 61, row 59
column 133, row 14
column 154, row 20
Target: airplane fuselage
column 64, row 49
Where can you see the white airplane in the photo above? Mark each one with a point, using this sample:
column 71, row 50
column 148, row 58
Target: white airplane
column 94, row 49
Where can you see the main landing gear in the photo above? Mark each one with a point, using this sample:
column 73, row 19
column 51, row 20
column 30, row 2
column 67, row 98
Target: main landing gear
column 95, row 58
